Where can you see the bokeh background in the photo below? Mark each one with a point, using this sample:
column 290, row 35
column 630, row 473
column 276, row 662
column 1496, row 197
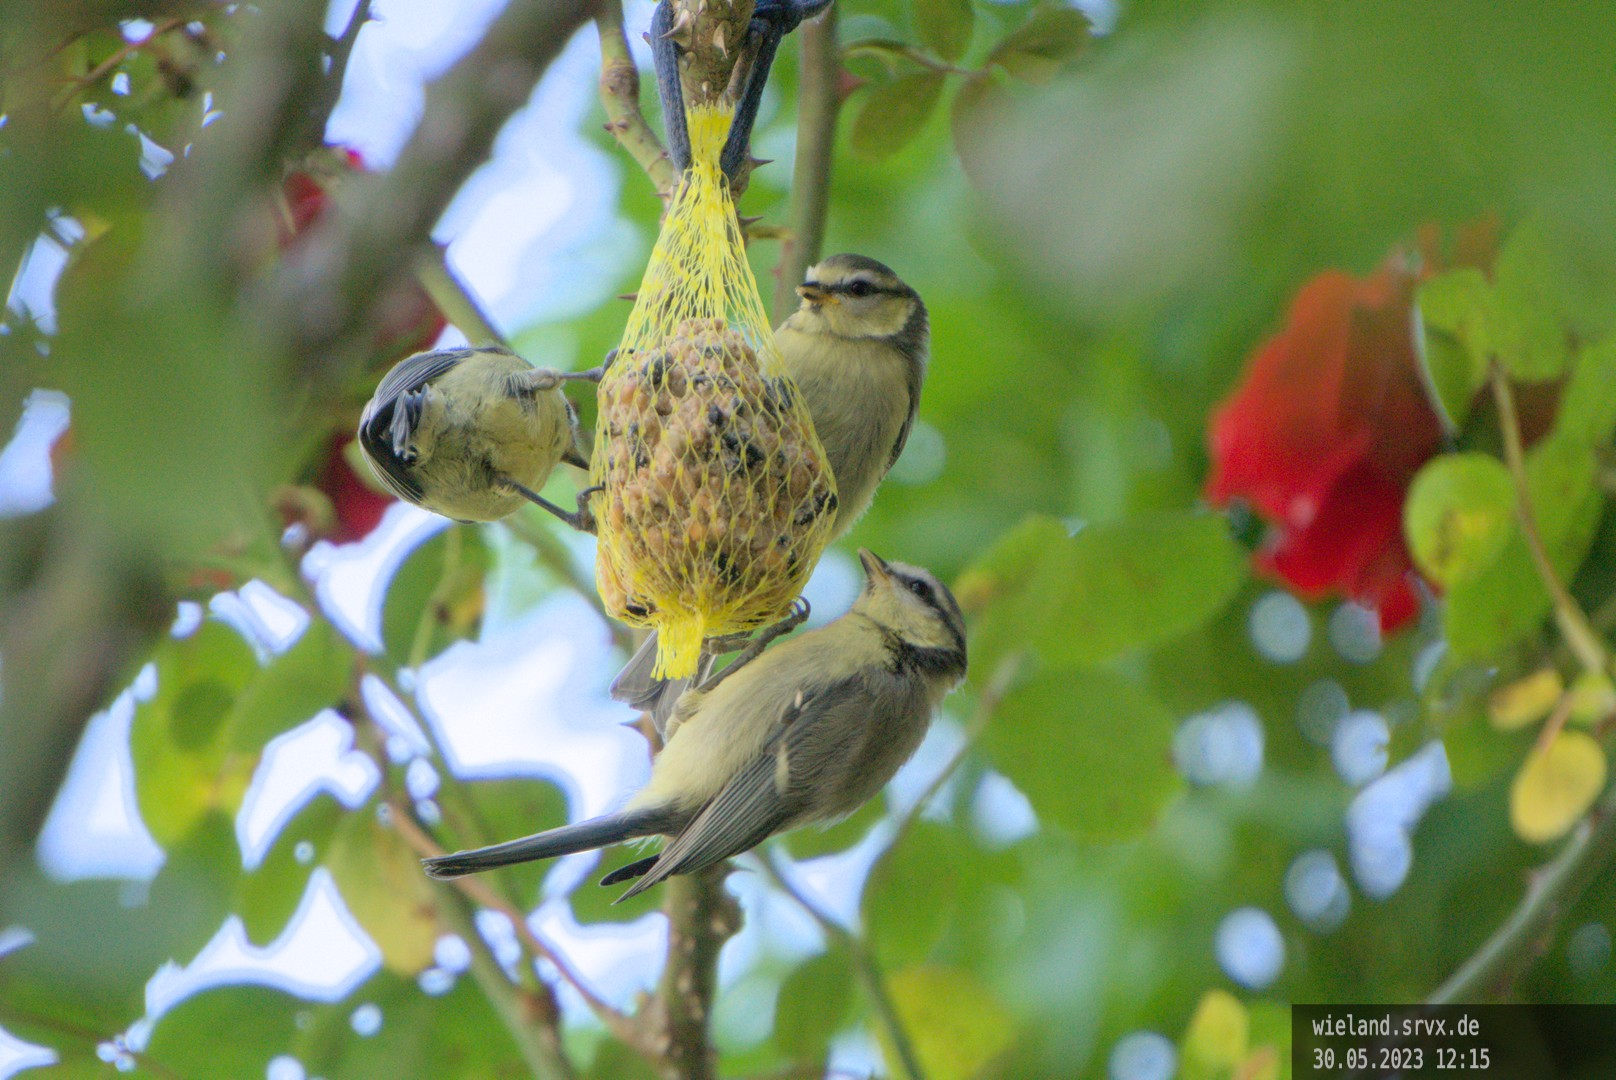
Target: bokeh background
column 1209, row 283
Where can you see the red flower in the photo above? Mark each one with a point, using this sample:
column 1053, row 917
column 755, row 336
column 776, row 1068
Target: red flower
column 1325, row 434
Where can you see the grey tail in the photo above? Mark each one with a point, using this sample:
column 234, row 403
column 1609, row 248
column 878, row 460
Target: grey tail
column 567, row 840
column 631, row 871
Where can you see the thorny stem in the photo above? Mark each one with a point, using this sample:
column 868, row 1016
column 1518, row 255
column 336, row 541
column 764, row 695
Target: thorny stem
column 869, row 969
column 620, row 96
column 1551, row 890
column 819, row 100
column 1573, row 623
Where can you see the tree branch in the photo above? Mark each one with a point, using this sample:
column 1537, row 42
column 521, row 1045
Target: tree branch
column 819, row 101
column 1573, row 623
column 1551, row 891
column 702, row 915
column 620, row 97
column 710, row 34
column 320, row 301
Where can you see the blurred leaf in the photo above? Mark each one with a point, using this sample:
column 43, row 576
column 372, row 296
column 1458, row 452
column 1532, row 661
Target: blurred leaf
column 1526, row 323
column 1217, row 1038
column 1459, row 515
column 436, row 595
column 979, row 104
column 176, row 740
column 1588, row 407
column 955, row 1025
column 232, row 1030
column 1526, row 700
column 1593, row 697
column 312, row 675
column 1113, row 588
column 382, row 883
column 268, row 895
column 1556, row 786
column 900, row 930
column 615, row 1061
column 814, row 1001
column 812, row 842
column 1036, row 51
column 894, row 113
column 945, row 25
column 1507, row 602
column 1092, row 752
column 1454, row 348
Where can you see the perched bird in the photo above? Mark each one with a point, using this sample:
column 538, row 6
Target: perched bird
column 807, row 731
column 856, row 348
column 470, row 433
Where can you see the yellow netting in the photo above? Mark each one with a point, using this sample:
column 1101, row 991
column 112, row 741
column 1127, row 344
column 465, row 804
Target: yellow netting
column 717, row 499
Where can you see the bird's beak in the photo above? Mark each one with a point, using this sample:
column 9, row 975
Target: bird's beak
column 816, row 295
column 875, row 567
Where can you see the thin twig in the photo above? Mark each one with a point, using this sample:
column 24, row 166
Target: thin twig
column 1573, row 622
column 999, row 684
column 104, row 68
column 455, row 299
column 620, row 1024
column 1551, row 891
column 885, row 49
column 620, row 97
column 869, row 969
column 21, row 1017
column 819, row 100
column 532, row 1018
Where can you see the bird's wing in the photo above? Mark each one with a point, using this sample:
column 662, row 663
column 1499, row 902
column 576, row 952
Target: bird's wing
column 915, row 373
column 763, row 797
column 410, row 375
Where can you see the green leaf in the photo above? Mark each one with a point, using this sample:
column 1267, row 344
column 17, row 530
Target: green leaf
column 945, row 25
column 1107, row 730
column 382, row 883
column 312, row 675
column 1587, row 410
column 175, row 740
column 268, row 895
column 894, row 113
column 1507, row 602
column 955, row 1024
column 814, row 1001
column 436, row 597
column 1459, row 515
column 1530, row 304
column 1139, row 582
column 900, row 930
column 1113, row 588
column 1036, row 51
column 979, row 106
column 1453, row 343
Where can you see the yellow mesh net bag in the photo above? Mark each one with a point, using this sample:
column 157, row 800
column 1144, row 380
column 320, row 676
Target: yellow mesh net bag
column 716, row 500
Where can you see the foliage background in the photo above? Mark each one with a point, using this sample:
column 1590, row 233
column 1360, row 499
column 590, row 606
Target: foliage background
column 1103, row 236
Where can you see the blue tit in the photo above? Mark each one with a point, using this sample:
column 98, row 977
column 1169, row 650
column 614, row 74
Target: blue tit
column 805, row 732
column 471, row 433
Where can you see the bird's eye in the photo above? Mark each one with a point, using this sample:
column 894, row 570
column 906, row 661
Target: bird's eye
column 860, row 288
column 920, row 589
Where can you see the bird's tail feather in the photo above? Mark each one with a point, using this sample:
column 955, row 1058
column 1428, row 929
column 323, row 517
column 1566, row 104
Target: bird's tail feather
column 567, row 840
